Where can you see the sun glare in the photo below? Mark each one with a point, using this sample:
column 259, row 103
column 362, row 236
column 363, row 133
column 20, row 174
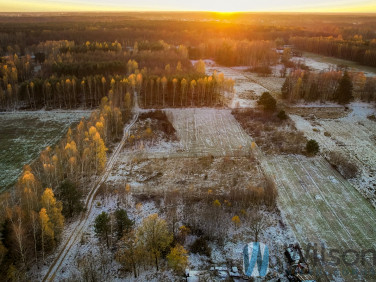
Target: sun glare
column 222, row 8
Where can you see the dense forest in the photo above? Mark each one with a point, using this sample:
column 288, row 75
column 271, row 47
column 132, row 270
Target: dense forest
column 68, row 61
column 192, row 30
column 354, row 49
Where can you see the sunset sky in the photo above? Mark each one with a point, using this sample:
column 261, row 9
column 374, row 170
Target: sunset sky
column 191, row 5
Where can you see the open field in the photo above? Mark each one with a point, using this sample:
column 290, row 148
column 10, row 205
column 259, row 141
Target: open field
column 353, row 136
column 199, row 132
column 272, row 83
column 211, row 146
column 319, row 62
column 248, row 86
column 24, row 134
column 322, row 207
column 246, row 90
column 209, row 132
column 200, row 174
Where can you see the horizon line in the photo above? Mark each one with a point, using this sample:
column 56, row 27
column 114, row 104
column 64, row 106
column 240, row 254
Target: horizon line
column 190, row 11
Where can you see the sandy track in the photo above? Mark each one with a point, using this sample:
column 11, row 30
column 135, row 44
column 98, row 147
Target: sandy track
column 86, row 218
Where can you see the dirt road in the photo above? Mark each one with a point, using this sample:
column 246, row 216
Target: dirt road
column 86, row 218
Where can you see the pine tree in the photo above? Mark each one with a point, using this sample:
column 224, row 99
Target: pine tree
column 123, row 223
column 70, row 196
column 102, row 226
column 286, row 88
column 267, row 101
column 344, row 91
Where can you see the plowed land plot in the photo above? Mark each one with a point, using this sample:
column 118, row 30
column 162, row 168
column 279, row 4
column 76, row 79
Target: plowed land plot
column 322, row 207
column 209, row 132
column 354, row 137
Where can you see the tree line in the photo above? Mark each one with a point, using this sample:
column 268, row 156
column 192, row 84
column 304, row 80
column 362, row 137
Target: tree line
column 174, row 87
column 66, row 91
column 184, row 91
column 92, row 46
column 355, row 50
column 98, row 61
column 195, row 29
column 229, row 52
column 72, row 79
column 334, row 85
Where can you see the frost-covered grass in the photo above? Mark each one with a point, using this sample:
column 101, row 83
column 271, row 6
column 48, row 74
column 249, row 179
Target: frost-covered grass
column 319, row 63
column 353, row 136
column 272, row 84
column 248, row 86
column 24, row 134
column 322, row 207
column 209, row 131
column 246, row 91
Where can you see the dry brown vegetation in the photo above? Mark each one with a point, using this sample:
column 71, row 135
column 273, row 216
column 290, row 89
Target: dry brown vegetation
column 152, row 127
column 160, row 122
column 319, row 112
column 200, row 174
column 343, row 164
column 270, row 133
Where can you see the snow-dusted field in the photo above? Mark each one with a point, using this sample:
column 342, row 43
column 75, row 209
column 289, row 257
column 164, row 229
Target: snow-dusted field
column 323, row 63
column 246, row 90
column 248, row 86
column 322, row 207
column 352, row 135
column 209, row 131
column 24, row 134
column 272, row 84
